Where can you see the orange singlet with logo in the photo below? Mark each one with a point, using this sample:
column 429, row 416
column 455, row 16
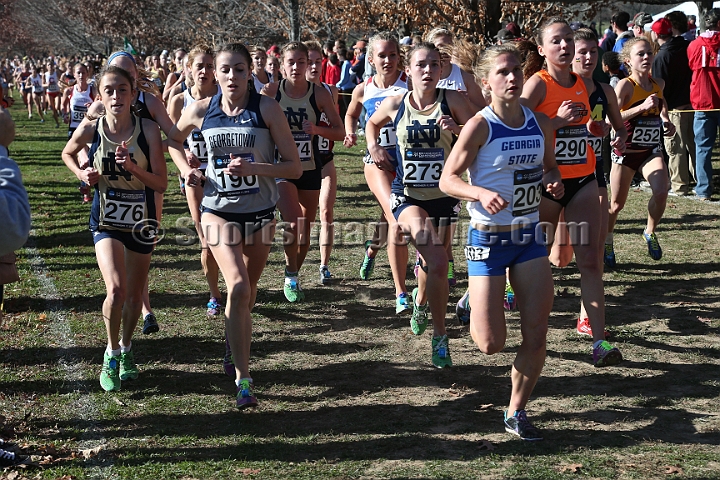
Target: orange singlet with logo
column 572, row 154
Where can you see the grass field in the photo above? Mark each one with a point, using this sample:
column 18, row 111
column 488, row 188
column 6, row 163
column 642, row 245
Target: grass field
column 345, row 390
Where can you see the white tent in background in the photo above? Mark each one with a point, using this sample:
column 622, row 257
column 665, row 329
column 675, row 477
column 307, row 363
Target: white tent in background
column 690, row 8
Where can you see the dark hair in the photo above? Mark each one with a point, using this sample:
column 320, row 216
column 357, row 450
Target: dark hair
column 113, row 70
column 235, row 48
column 342, row 51
column 678, row 20
column 420, row 46
column 333, row 59
column 612, row 60
column 585, row 34
column 620, row 19
column 329, row 45
column 712, row 17
column 534, row 62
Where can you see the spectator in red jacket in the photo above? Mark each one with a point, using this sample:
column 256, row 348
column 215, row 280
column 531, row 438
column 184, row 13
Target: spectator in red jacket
column 704, row 59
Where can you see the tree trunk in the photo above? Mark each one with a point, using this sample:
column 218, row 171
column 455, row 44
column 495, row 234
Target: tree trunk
column 492, row 18
column 703, row 7
column 294, row 20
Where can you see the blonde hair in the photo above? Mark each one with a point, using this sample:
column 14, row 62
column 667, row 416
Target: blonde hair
column 489, row 58
column 629, row 44
column 437, row 32
column 382, row 37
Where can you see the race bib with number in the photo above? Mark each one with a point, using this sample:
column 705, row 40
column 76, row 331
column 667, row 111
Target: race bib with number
column 323, row 145
column 123, row 208
column 198, row 146
column 571, row 145
column 647, row 132
column 78, row 113
column 230, row 185
column 387, row 137
column 596, row 144
column 423, row 167
column 476, row 254
column 527, row 191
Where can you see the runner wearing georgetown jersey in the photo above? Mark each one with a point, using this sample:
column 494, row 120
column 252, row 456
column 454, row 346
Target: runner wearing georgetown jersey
column 241, row 131
column 508, row 154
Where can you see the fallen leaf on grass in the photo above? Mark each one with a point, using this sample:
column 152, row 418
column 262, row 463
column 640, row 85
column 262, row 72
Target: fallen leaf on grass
column 572, row 468
column 91, row 452
column 485, row 406
column 247, row 471
column 42, row 317
column 705, row 319
column 485, row 445
column 457, row 390
column 672, row 470
column 119, row 402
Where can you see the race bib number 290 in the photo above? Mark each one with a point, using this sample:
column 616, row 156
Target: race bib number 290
column 571, row 145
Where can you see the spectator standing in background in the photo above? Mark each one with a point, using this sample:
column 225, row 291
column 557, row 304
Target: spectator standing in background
column 671, row 64
column 346, row 84
column 704, row 60
column 619, row 23
column 691, row 29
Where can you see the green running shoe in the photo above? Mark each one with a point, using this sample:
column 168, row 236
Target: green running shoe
column 368, row 264
column 292, row 290
column 110, row 373
column 441, row 352
column 419, row 318
column 128, row 369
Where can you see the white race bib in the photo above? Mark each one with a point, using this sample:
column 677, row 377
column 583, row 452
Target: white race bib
column 527, row 191
column 647, row 132
column 123, row 208
column 423, row 167
column 231, row 185
column 571, row 145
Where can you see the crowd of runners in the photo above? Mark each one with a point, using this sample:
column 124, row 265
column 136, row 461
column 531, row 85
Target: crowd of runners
column 517, row 131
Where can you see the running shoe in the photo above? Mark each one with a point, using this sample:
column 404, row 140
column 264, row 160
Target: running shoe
column 583, row 328
column 325, row 275
column 12, row 459
column 402, row 304
column 605, row 355
column 419, row 318
column 110, row 373
column 462, row 310
column 8, row 446
column 509, row 297
column 451, row 273
column 368, row 264
column 42, row 120
column 245, row 396
column 653, row 245
column 85, row 190
column 292, row 290
column 128, row 369
column 609, row 255
column 441, row 352
column 213, row 307
column 418, row 264
column 228, row 363
column 150, row 324
column 519, row 425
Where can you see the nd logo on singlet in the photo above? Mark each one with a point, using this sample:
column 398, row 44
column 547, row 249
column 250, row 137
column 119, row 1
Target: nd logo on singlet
column 419, row 134
column 112, row 170
column 295, row 119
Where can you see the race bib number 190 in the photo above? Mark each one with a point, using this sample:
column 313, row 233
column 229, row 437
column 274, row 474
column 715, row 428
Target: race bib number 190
column 230, row 185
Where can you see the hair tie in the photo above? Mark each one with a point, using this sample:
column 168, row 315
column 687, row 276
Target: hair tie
column 121, row 53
